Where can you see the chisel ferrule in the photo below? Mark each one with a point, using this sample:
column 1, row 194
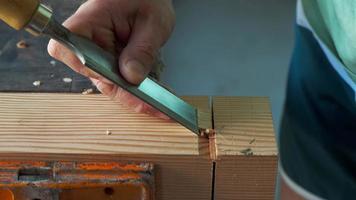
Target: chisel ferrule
column 39, row 21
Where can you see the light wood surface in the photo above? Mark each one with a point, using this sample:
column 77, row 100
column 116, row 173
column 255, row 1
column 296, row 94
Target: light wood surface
column 75, row 127
column 17, row 13
column 244, row 123
column 245, row 177
column 246, row 166
column 68, row 123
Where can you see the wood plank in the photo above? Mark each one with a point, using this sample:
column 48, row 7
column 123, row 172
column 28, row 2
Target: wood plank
column 246, row 162
column 73, row 127
column 245, row 177
column 242, row 123
column 38, row 123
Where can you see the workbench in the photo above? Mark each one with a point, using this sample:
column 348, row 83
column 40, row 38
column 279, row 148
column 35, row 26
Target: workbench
column 55, row 122
column 19, row 68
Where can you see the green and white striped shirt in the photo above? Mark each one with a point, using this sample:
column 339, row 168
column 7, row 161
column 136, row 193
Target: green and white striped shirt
column 334, row 22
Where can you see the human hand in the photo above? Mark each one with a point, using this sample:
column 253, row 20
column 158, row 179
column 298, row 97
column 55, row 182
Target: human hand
column 132, row 30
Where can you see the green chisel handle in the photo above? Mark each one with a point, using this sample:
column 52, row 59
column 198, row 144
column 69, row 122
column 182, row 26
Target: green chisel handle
column 18, row 13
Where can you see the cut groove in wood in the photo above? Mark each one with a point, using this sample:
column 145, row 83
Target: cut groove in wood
column 213, row 146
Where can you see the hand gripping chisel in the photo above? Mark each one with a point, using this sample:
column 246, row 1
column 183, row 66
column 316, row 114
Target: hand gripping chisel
column 37, row 19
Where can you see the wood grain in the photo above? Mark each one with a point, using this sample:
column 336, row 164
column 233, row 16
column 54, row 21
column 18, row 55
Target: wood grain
column 73, row 127
column 244, row 123
column 245, row 177
column 246, row 162
column 70, row 123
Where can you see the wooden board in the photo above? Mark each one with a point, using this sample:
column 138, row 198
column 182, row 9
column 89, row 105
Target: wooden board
column 74, row 127
column 50, row 123
column 246, row 151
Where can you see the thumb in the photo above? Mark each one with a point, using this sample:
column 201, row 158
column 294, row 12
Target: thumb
column 138, row 56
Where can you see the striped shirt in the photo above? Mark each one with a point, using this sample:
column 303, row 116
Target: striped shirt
column 333, row 23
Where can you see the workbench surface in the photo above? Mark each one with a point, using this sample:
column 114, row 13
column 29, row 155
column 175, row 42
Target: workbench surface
column 19, row 68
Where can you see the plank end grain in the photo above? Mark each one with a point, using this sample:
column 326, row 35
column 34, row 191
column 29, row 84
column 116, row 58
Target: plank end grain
column 246, row 164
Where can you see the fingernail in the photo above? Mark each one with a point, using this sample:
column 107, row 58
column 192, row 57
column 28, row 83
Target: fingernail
column 135, row 71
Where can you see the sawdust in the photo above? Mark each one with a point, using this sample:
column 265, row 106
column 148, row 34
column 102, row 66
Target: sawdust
column 67, row 80
column 37, row 83
column 53, row 62
column 88, row 91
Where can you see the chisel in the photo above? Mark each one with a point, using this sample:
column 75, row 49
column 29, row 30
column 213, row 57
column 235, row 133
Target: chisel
column 38, row 20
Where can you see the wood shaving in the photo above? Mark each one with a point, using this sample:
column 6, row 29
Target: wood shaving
column 22, row 44
column 88, row 91
column 67, row 80
column 36, row 83
column 252, row 141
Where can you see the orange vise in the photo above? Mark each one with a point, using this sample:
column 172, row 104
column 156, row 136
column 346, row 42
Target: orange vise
column 32, row 180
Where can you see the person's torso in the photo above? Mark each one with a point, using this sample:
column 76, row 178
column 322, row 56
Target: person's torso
column 333, row 21
column 317, row 141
